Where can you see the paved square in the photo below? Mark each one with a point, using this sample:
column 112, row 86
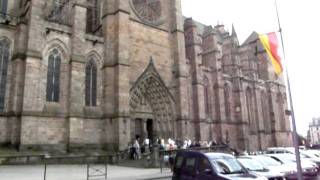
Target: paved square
column 77, row 172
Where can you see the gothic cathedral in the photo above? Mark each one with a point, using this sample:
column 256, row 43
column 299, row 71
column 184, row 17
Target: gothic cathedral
column 94, row 74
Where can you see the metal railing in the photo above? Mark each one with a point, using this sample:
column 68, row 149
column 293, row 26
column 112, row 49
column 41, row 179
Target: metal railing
column 93, row 164
column 96, row 165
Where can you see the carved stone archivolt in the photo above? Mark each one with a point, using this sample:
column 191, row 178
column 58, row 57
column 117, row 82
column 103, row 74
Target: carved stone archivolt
column 150, row 89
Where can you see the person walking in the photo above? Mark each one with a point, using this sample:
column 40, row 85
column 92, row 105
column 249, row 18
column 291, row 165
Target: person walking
column 137, row 148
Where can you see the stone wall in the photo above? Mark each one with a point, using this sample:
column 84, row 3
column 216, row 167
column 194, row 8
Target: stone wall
column 4, row 130
column 149, row 42
column 43, row 133
column 87, row 133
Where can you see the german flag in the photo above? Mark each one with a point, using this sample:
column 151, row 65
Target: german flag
column 270, row 43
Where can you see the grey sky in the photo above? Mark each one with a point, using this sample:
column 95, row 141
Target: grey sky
column 300, row 25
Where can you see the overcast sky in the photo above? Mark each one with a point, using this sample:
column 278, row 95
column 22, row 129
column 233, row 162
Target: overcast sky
column 300, row 25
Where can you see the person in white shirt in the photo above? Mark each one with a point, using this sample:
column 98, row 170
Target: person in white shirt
column 137, row 148
column 146, row 144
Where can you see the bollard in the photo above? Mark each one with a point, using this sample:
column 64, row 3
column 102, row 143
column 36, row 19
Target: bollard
column 155, row 157
column 106, row 169
column 45, row 171
column 88, row 171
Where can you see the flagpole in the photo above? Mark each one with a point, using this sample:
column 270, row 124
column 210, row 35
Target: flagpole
column 295, row 134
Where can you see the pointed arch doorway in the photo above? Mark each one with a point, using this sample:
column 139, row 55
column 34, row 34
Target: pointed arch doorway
column 152, row 107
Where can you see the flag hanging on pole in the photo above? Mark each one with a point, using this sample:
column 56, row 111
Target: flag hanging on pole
column 270, row 44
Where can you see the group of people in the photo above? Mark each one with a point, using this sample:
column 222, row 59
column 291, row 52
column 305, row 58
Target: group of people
column 171, row 144
column 136, row 148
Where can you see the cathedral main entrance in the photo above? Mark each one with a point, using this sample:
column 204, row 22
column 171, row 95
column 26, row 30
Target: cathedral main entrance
column 152, row 107
column 143, row 128
column 150, row 130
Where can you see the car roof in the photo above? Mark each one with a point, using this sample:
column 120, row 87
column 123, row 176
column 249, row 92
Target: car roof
column 210, row 155
column 284, row 155
column 245, row 157
column 280, row 154
column 218, row 155
column 280, row 149
column 261, row 156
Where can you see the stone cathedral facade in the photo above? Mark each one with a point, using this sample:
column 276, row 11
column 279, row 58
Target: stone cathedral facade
column 94, row 74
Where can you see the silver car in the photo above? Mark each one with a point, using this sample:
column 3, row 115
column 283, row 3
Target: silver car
column 288, row 171
column 309, row 168
column 255, row 166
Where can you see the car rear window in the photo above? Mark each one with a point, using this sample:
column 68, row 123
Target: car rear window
column 179, row 162
column 204, row 164
column 190, row 162
column 228, row 166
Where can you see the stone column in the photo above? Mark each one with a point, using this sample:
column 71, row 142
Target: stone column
column 77, row 74
column 258, row 117
column 273, row 108
column 32, row 92
column 193, row 48
column 144, row 129
column 17, row 84
column 180, row 69
column 213, row 56
column 116, row 23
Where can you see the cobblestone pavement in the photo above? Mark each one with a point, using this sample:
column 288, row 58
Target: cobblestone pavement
column 79, row 172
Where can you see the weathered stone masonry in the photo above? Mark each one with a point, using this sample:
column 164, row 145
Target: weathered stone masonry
column 94, row 74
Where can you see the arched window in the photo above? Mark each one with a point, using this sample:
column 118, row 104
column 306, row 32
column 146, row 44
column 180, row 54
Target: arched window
column 91, row 83
column 206, row 96
column 227, row 102
column 93, row 16
column 53, row 76
column 60, row 11
column 4, row 60
column 3, row 7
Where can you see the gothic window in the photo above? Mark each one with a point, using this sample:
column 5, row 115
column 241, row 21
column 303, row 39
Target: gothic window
column 91, row 83
column 53, row 76
column 59, row 11
column 3, row 6
column 21, row 3
column 56, row 9
column 93, row 16
column 4, row 60
column 227, row 101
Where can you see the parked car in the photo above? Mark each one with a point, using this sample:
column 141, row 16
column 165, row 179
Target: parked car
column 309, row 168
column 304, row 154
column 311, row 156
column 280, row 150
column 250, row 163
column 289, row 172
column 313, row 152
column 191, row 165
